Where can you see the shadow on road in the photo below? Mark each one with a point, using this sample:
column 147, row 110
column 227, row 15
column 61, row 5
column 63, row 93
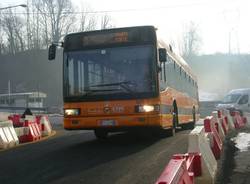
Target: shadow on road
column 66, row 156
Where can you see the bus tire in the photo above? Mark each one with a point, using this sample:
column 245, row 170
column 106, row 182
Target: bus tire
column 171, row 131
column 190, row 125
column 101, row 134
column 194, row 118
column 164, row 132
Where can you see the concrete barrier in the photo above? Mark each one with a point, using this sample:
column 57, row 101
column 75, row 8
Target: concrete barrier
column 197, row 142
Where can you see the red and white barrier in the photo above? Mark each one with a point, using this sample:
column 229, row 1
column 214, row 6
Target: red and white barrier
column 246, row 116
column 218, row 124
column 229, row 119
column 199, row 142
column 181, row 169
column 30, row 128
column 34, row 133
column 224, row 122
column 4, row 116
column 46, row 126
column 238, row 120
column 211, row 128
column 17, row 120
column 8, row 137
column 22, row 134
column 207, row 141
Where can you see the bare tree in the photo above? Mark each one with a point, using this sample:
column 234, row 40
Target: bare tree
column 191, row 41
column 92, row 23
column 19, row 36
column 58, row 17
column 1, row 37
column 13, row 27
column 88, row 21
column 44, row 21
column 106, row 22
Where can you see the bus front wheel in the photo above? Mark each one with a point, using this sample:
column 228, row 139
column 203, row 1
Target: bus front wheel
column 101, row 134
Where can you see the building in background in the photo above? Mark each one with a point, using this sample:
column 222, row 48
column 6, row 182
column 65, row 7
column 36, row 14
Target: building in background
column 19, row 101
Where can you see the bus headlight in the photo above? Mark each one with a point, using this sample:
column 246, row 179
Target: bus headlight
column 71, row 112
column 147, row 108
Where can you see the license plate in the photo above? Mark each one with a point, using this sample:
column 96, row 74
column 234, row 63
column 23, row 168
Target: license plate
column 108, row 123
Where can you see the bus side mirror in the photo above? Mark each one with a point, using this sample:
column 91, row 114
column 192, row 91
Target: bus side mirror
column 162, row 55
column 52, row 52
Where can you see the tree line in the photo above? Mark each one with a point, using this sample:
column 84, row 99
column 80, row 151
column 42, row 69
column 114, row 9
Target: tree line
column 45, row 21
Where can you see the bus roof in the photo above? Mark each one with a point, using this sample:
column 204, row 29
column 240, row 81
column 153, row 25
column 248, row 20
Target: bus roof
column 112, row 29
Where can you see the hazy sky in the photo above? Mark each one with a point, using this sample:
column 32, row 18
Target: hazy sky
column 216, row 19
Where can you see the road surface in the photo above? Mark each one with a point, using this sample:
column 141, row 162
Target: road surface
column 77, row 157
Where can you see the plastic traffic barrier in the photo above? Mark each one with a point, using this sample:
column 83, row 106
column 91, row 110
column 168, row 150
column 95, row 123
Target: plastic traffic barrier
column 181, row 169
column 246, row 116
column 46, row 126
column 4, row 116
column 218, row 124
column 238, row 120
column 22, row 134
column 199, row 143
column 224, row 123
column 8, row 137
column 229, row 119
column 210, row 127
column 16, row 119
column 34, row 131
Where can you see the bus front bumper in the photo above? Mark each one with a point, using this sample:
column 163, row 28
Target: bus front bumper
column 112, row 122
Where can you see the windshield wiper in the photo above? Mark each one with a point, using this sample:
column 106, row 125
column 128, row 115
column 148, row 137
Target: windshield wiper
column 123, row 84
column 91, row 91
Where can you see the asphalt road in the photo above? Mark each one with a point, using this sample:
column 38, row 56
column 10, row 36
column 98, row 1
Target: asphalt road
column 77, row 157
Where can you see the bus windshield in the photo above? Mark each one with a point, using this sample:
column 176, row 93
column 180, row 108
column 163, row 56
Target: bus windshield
column 126, row 71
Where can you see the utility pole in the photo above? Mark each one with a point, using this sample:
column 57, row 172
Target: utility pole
column 9, row 91
column 28, row 26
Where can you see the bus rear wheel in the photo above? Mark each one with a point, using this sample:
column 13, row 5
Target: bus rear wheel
column 101, row 134
column 171, row 131
column 175, row 120
column 190, row 125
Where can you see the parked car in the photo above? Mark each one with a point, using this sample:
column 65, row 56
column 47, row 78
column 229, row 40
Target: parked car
column 237, row 99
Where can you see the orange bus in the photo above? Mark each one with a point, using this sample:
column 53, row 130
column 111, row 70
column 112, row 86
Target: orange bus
column 124, row 78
